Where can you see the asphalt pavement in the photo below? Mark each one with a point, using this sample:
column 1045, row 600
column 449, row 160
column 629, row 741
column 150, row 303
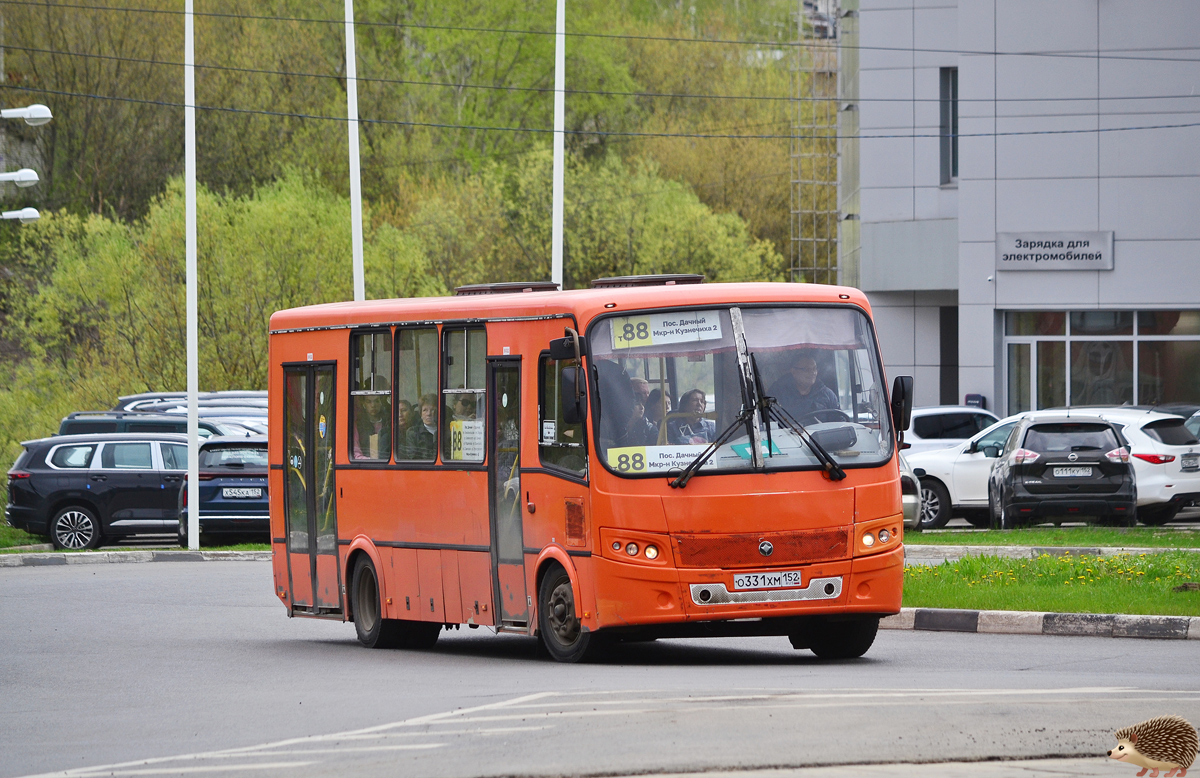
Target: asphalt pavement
column 165, row 669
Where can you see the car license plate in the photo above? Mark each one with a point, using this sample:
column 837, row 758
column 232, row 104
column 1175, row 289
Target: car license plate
column 1072, row 472
column 1190, row 462
column 772, row 580
column 241, row 492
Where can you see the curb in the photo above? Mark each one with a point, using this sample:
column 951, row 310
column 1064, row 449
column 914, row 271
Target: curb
column 936, row 554
column 119, row 557
column 1036, row 623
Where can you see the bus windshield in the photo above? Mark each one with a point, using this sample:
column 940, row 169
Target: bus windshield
column 672, row 382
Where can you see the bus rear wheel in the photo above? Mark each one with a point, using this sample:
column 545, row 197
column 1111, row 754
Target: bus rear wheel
column 847, row 639
column 373, row 630
column 558, row 619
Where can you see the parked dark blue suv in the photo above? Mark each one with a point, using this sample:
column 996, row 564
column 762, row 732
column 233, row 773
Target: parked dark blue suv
column 80, row 489
column 233, row 491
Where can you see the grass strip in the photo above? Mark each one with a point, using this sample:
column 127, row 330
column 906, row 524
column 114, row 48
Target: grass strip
column 1123, row 583
column 11, row 536
column 1108, row 537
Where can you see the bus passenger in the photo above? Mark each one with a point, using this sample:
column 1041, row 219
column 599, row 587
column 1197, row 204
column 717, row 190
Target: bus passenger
column 800, row 391
column 421, row 441
column 689, row 427
column 464, row 407
column 406, row 417
column 372, row 428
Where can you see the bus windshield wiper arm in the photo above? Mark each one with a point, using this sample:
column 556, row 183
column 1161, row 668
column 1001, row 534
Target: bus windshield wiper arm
column 776, row 411
column 694, row 466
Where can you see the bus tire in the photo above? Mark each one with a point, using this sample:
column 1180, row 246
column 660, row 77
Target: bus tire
column 558, row 620
column 373, row 630
column 848, row 639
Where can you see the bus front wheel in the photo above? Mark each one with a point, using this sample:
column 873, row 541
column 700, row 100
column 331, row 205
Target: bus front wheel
column 558, row 619
column 847, row 639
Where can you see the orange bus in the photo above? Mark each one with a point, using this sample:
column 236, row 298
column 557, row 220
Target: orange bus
column 651, row 457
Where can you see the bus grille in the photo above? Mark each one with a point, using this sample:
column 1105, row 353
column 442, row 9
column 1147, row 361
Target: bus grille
column 788, row 548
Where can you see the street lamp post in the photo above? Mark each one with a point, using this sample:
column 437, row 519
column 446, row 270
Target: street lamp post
column 23, row 177
column 24, row 215
column 34, row 115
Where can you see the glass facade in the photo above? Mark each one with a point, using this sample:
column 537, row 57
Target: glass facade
column 1076, row 358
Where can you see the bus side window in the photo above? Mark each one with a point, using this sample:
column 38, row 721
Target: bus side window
column 560, row 444
column 371, row 396
column 418, row 399
column 464, row 396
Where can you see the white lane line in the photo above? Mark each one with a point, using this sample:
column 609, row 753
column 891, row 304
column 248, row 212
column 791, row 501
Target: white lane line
column 443, row 732
column 112, row 769
column 102, row 771
column 348, row 750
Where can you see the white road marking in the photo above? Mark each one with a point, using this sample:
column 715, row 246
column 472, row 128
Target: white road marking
column 103, row 771
column 348, row 750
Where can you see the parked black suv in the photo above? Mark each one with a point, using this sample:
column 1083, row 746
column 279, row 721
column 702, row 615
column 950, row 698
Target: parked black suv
column 233, row 491
column 89, row 422
column 79, row 489
column 1065, row 467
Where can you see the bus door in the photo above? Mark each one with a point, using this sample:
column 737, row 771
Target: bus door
column 309, row 499
column 504, row 488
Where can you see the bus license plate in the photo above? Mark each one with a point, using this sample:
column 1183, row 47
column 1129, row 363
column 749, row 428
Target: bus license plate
column 234, row 492
column 772, row 580
column 1072, row 472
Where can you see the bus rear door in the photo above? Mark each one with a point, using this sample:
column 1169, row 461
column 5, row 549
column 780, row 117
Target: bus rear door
column 310, row 492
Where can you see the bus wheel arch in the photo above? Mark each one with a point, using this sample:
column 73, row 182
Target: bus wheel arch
column 361, row 548
column 562, row 634
column 550, row 556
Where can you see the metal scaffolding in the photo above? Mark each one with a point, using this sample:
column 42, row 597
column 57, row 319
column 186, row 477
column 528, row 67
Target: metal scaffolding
column 814, row 147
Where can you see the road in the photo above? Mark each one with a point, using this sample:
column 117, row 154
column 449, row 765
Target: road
column 171, row 668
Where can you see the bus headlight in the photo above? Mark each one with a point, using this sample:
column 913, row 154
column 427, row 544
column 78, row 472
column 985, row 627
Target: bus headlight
column 652, row 552
column 868, row 539
column 884, row 536
column 631, row 549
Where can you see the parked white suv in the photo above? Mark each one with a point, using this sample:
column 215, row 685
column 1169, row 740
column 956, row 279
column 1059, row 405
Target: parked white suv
column 943, row 426
column 954, row 480
column 1166, row 460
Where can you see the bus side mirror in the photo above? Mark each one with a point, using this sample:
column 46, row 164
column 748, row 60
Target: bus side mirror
column 574, row 394
column 568, row 348
column 902, row 403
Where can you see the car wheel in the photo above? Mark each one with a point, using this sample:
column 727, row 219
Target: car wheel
column 558, row 621
column 373, row 630
column 994, row 516
column 935, row 505
column 1157, row 515
column 841, row 639
column 75, row 528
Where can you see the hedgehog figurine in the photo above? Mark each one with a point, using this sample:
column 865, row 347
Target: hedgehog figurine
column 1163, row 743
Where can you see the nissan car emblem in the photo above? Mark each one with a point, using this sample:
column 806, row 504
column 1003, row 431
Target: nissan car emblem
column 1072, row 456
column 765, row 548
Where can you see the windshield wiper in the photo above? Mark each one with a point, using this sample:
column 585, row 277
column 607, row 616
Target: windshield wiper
column 694, row 466
column 773, row 410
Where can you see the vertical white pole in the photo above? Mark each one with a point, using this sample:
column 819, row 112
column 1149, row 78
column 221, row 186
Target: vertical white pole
column 193, row 378
column 560, row 106
column 356, row 234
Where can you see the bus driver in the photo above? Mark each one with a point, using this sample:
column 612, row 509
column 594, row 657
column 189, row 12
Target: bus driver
column 800, row 391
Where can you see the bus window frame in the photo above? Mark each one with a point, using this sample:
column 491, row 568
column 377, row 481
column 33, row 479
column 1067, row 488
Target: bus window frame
column 594, row 389
column 357, row 332
column 551, row 468
column 464, row 325
column 417, row 464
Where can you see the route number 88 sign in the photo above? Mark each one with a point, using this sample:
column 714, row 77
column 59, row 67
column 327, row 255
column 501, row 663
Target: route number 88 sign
column 656, row 329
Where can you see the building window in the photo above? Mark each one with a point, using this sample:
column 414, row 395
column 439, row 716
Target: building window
column 949, row 124
column 1076, row 358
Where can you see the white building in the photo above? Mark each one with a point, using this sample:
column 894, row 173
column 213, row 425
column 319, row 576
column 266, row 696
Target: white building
column 1038, row 90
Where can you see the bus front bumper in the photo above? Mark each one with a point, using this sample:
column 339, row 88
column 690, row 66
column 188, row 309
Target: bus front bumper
column 631, row 595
